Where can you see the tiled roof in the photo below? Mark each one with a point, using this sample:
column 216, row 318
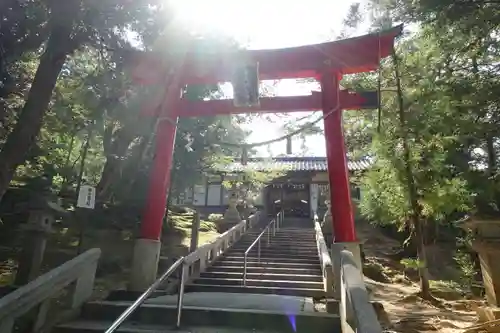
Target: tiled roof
column 292, row 164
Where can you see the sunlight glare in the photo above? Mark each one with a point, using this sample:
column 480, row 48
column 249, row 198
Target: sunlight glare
column 217, row 16
column 260, row 24
column 264, row 23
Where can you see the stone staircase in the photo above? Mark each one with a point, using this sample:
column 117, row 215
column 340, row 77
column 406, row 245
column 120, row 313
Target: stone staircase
column 276, row 297
column 289, row 265
column 154, row 318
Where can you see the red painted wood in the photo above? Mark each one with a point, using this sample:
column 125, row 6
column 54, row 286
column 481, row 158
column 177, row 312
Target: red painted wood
column 353, row 55
column 348, row 101
column 338, row 175
column 267, row 105
column 159, row 181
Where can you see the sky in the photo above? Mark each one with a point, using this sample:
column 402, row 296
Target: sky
column 261, row 24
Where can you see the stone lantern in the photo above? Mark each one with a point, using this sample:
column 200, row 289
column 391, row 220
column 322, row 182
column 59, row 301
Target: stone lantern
column 326, row 224
column 42, row 214
column 327, row 218
column 232, row 216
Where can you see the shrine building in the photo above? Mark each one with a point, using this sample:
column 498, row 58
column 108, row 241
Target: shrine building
column 300, row 187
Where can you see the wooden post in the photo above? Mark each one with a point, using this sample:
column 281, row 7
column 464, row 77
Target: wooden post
column 195, row 228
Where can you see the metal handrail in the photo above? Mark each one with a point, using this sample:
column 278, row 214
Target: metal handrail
column 276, row 225
column 184, row 263
column 121, row 319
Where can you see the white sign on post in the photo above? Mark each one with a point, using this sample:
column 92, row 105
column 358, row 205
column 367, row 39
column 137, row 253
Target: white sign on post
column 86, row 197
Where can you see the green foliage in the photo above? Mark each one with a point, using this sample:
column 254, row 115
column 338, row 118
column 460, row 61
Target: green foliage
column 467, row 269
column 182, row 223
column 443, row 191
column 411, row 263
column 443, row 287
column 215, row 217
column 449, row 78
column 249, row 183
column 94, row 97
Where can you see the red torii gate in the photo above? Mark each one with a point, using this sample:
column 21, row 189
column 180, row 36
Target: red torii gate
column 326, row 62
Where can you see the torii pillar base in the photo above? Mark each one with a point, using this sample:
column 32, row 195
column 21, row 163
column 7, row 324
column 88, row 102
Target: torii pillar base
column 144, row 264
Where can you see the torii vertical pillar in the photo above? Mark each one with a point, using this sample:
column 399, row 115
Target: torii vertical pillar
column 148, row 245
column 344, row 232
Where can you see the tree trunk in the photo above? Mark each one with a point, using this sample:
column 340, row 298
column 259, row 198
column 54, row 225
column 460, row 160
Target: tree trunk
column 30, row 121
column 412, row 191
column 422, row 257
column 492, row 158
column 133, row 165
column 114, row 161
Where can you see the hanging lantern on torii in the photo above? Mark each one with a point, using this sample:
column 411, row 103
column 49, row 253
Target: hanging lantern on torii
column 289, row 145
column 245, row 83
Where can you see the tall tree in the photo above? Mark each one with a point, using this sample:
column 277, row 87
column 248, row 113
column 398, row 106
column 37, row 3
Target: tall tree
column 66, row 27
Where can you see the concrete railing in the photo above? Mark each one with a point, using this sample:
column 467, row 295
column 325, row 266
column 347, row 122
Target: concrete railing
column 198, row 261
column 356, row 312
column 40, row 291
column 324, row 259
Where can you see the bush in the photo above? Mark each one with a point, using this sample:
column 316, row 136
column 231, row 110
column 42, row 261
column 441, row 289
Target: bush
column 182, row 223
column 207, row 226
column 215, row 217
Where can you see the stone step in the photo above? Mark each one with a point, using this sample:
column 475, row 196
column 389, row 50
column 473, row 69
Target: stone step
column 272, row 255
column 259, row 283
column 262, row 276
column 282, row 233
column 133, row 327
column 285, row 230
column 282, row 236
column 273, row 260
column 275, row 248
column 165, row 315
column 290, row 264
column 220, row 267
column 126, row 295
column 287, row 240
column 304, row 292
column 270, row 249
column 285, row 252
column 274, row 242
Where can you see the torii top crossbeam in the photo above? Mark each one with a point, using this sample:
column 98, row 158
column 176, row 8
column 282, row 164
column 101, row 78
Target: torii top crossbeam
column 353, row 55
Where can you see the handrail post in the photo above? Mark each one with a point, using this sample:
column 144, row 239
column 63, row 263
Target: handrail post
column 258, row 250
column 268, row 236
column 180, row 297
column 245, row 269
